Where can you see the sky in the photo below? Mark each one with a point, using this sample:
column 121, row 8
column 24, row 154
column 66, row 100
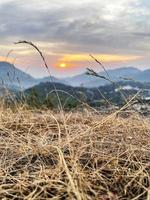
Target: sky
column 117, row 32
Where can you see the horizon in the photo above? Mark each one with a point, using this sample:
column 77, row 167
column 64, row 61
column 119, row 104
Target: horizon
column 78, row 74
column 66, row 32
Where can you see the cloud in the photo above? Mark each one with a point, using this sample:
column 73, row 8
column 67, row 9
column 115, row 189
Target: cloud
column 87, row 26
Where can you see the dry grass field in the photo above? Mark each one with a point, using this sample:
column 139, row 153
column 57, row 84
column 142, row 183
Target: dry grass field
column 73, row 155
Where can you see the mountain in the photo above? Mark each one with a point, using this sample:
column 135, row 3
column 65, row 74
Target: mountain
column 115, row 75
column 124, row 71
column 144, row 76
column 14, row 78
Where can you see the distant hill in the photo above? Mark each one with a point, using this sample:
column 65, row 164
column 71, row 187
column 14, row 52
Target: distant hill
column 84, row 80
column 14, row 78
column 115, row 75
column 143, row 76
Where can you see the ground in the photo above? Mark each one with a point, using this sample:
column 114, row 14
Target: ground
column 79, row 155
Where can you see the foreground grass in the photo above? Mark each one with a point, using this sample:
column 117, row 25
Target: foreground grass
column 79, row 155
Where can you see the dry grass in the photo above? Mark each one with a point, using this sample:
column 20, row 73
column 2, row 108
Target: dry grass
column 82, row 155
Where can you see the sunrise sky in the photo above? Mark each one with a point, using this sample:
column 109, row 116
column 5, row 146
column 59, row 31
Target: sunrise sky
column 117, row 32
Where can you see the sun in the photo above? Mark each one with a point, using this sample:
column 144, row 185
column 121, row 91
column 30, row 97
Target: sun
column 63, row 65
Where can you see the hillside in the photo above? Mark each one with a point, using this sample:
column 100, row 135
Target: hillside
column 69, row 96
column 110, row 94
column 74, row 155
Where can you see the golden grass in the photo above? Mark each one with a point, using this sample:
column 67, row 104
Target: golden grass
column 81, row 155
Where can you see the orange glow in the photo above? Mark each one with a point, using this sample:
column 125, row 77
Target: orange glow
column 4, row 59
column 63, row 65
column 102, row 57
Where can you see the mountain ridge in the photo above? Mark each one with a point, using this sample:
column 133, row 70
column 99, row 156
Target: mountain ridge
column 11, row 76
